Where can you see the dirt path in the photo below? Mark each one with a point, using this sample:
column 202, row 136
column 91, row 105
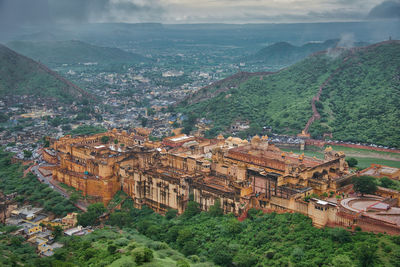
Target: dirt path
column 316, row 115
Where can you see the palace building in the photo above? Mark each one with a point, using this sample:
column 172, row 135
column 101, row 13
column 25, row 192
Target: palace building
column 165, row 175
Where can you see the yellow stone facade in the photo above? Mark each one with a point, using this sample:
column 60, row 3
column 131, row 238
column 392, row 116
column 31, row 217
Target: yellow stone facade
column 239, row 173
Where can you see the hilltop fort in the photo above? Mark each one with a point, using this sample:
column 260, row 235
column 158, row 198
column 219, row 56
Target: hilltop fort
column 241, row 174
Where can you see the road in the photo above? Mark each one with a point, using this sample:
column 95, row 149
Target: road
column 54, row 185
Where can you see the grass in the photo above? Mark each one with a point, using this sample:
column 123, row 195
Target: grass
column 365, row 151
column 363, row 162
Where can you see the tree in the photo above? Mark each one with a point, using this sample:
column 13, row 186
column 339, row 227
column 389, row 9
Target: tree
column 104, row 139
column 182, row 263
column 352, row 162
column 386, row 182
column 222, row 255
column 342, row 261
column 143, row 121
column 91, row 217
column 364, row 185
column 245, row 259
column 340, row 235
column 27, row 154
column 366, row 254
column 142, row 255
column 192, row 209
column 171, row 213
column 74, row 197
column 3, row 117
column 189, row 248
column 215, row 210
column 119, row 218
column 150, row 112
column 57, row 231
column 112, row 248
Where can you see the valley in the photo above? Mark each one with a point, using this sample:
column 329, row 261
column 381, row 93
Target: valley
column 152, row 144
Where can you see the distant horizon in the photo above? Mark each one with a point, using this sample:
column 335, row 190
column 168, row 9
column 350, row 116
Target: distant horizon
column 214, row 23
column 21, row 12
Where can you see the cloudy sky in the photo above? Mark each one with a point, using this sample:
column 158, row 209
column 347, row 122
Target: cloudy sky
column 192, row 11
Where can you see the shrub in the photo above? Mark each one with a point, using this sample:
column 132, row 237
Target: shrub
column 215, row 210
column 270, row 254
column 340, row 235
column 111, row 248
column 352, row 162
column 194, row 258
column 182, row 263
column 158, row 245
column 192, row 209
column 171, row 213
column 142, row 255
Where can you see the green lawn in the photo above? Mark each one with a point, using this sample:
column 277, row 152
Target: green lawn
column 365, row 151
column 363, row 162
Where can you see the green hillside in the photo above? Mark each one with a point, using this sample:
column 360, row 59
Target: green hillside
column 72, row 52
column 20, row 75
column 283, row 53
column 360, row 101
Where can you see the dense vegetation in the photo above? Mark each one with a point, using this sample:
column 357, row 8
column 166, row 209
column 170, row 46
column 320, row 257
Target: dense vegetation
column 73, row 52
column 359, row 103
column 111, row 247
column 87, row 130
column 283, row 53
column 261, row 240
column 105, row 247
column 13, row 249
column 29, row 189
column 23, row 76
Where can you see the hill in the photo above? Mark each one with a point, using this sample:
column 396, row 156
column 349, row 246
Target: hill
column 284, row 53
column 72, row 52
column 222, row 86
column 356, row 94
column 20, row 75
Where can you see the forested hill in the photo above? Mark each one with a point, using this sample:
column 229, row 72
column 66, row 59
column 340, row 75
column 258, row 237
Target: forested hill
column 284, row 53
column 72, row 52
column 359, row 101
column 20, row 75
column 222, row 86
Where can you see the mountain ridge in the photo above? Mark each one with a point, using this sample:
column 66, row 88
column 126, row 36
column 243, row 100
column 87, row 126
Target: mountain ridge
column 72, row 52
column 347, row 108
column 284, row 53
column 22, row 75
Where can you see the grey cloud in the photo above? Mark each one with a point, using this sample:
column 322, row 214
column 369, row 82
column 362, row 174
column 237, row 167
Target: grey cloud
column 386, row 10
column 32, row 12
column 15, row 12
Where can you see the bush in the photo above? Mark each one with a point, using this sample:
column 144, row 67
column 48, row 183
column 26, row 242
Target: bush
column 270, row 254
column 105, row 139
column 189, row 248
column 192, row 209
column 245, row 259
column 215, row 210
column 171, row 213
column 340, row 235
column 194, row 258
column 352, row 162
column 182, row 263
column 142, row 255
column 111, row 248
column 158, row 245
